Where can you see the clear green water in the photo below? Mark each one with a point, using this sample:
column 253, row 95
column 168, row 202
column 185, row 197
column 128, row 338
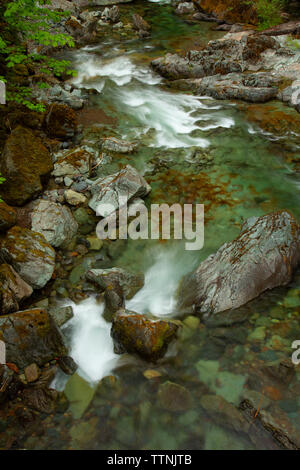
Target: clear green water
column 191, row 150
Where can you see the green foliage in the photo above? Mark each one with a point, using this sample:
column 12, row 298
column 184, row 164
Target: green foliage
column 29, row 20
column 1, row 182
column 268, row 12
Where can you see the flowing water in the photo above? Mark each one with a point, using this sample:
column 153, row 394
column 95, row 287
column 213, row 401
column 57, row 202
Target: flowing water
column 191, row 150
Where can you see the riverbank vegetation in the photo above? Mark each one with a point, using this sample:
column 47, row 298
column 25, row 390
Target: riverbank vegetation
column 28, row 29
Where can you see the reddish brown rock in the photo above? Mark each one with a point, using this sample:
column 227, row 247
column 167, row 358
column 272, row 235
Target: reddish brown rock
column 25, row 162
column 138, row 334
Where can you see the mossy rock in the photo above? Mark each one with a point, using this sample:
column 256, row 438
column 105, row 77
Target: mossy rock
column 32, row 256
column 60, row 121
column 134, row 333
column 8, row 217
column 31, row 336
column 25, row 163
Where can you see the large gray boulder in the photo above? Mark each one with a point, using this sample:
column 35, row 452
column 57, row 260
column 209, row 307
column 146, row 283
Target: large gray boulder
column 54, row 221
column 262, row 257
column 31, row 255
column 122, row 187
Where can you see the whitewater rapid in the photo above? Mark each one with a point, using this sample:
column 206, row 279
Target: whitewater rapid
column 174, row 120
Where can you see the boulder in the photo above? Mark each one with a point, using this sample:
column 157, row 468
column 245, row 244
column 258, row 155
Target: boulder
column 32, row 256
column 118, row 146
column 111, row 15
column 12, row 290
column 292, row 27
column 54, row 221
column 61, row 315
column 60, row 121
column 139, row 24
column 31, row 336
column 119, row 285
column 72, row 163
column 25, row 162
column 231, row 55
column 184, row 8
column 231, row 87
column 262, row 257
column 123, row 186
column 8, row 217
column 135, row 333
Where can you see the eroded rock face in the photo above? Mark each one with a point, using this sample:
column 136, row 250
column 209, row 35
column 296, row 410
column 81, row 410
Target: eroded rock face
column 54, row 221
column 124, row 186
column 138, row 334
column 12, row 290
column 118, row 285
column 8, row 217
column 262, row 257
column 31, row 336
column 32, row 256
column 24, row 162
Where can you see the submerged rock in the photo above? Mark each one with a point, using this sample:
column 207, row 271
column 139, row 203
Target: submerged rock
column 12, row 290
column 54, row 221
column 32, row 256
column 117, row 284
column 24, row 162
column 135, row 333
column 123, row 186
column 31, row 336
column 262, row 257
column 174, row 397
column 119, row 146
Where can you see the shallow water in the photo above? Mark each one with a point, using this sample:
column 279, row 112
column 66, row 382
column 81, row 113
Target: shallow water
column 191, row 150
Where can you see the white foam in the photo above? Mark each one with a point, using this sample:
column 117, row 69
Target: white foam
column 91, row 346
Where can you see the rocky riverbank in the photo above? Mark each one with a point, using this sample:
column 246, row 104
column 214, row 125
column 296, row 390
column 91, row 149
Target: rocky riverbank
column 58, row 172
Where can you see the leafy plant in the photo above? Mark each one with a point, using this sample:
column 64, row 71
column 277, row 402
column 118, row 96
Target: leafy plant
column 24, row 21
column 1, row 182
column 268, row 12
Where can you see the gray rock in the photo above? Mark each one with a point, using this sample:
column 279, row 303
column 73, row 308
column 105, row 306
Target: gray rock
column 184, row 8
column 118, row 146
column 262, row 257
column 123, row 186
column 139, row 24
column 54, row 221
column 103, row 3
column 111, row 15
column 117, row 284
column 73, row 198
column 230, row 87
column 61, row 315
column 32, row 256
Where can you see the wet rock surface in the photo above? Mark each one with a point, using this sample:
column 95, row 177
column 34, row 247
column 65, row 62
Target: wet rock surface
column 31, row 337
column 137, row 334
column 32, row 256
column 264, row 256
